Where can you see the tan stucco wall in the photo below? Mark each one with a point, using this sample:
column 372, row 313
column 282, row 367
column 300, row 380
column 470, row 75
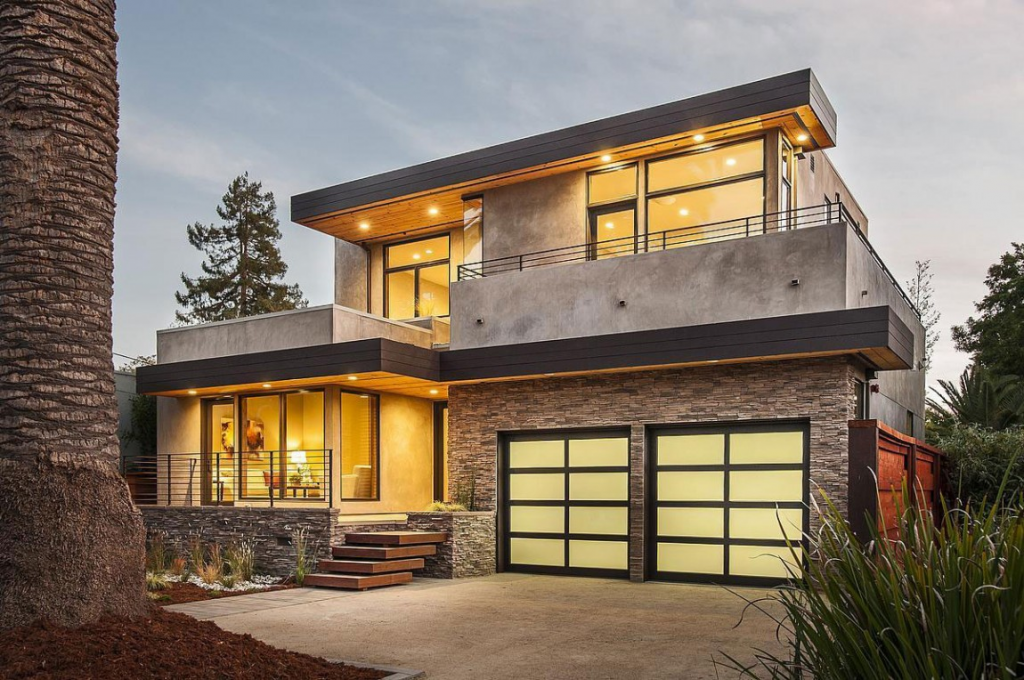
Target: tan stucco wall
column 812, row 188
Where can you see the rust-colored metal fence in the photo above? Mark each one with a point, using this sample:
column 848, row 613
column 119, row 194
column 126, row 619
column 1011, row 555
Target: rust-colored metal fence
column 882, row 463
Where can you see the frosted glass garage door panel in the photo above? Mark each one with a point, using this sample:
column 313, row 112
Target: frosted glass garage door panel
column 691, row 486
column 691, row 558
column 529, row 519
column 766, row 523
column 611, row 452
column 599, row 554
column 536, row 487
column 766, row 447
column 599, row 486
column 691, row 449
column 541, row 552
column 749, row 560
column 697, row 522
column 773, row 485
column 610, row 521
column 536, row 454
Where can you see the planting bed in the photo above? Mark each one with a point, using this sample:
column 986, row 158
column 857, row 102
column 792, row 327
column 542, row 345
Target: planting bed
column 182, row 592
column 165, row 645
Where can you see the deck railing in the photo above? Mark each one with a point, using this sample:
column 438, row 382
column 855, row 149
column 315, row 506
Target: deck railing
column 271, row 478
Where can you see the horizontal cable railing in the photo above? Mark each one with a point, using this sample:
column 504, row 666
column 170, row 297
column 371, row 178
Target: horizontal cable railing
column 230, row 478
column 743, row 227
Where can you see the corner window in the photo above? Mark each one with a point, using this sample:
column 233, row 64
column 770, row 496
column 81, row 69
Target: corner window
column 360, row 447
column 473, row 230
column 417, row 278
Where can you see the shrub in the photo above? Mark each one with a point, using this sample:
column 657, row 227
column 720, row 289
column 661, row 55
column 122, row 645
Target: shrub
column 441, row 506
column 178, row 566
column 978, row 461
column 156, row 554
column 155, row 581
column 229, row 580
column 937, row 601
column 241, row 558
column 209, row 573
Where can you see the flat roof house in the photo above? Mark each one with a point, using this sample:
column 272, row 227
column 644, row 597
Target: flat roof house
column 635, row 345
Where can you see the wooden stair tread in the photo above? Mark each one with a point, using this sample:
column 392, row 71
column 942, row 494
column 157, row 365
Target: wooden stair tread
column 396, row 537
column 356, row 581
column 380, row 552
column 370, row 566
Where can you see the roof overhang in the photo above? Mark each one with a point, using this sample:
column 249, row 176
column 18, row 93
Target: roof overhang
column 405, row 200
column 874, row 335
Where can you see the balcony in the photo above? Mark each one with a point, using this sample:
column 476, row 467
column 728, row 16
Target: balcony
column 804, row 261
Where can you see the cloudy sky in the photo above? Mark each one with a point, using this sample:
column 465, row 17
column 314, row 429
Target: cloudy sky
column 306, row 94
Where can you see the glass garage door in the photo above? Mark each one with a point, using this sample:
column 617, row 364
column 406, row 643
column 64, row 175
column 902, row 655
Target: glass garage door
column 566, row 504
column 725, row 502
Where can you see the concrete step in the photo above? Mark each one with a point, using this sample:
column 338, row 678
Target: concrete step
column 357, row 582
column 396, row 537
column 370, row 566
column 371, row 552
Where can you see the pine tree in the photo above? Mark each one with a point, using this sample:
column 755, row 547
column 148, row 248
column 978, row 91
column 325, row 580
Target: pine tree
column 921, row 291
column 243, row 270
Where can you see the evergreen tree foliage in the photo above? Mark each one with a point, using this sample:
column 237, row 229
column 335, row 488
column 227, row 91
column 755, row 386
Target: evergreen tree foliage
column 243, row 271
column 996, row 337
column 920, row 290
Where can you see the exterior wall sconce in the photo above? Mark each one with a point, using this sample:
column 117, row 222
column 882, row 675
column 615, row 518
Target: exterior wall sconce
column 622, row 303
column 794, row 282
column 479, row 322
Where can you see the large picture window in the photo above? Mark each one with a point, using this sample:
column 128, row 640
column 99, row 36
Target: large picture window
column 417, row 278
column 360, row 447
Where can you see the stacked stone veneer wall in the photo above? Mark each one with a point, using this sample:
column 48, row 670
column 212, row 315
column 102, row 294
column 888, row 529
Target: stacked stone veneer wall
column 820, row 391
column 469, row 550
column 270, row 528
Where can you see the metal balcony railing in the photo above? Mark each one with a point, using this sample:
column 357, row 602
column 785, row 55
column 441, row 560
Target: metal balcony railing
column 712, row 232
column 225, row 479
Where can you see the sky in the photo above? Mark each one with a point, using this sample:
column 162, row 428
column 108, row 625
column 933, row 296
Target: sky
column 307, row 94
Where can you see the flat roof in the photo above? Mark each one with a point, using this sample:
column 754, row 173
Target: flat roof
column 794, row 101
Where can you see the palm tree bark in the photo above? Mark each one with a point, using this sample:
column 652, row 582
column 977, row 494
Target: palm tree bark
column 71, row 542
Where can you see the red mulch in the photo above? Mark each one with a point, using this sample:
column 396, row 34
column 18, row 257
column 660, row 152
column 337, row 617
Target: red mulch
column 167, row 645
column 180, row 593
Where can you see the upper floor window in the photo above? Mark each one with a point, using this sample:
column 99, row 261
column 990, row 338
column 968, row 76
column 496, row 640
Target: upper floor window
column 473, row 230
column 612, row 224
column 417, row 278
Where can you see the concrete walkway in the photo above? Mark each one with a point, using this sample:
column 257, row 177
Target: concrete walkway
column 508, row 626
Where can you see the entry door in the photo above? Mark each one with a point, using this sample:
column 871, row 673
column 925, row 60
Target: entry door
column 724, row 501
column 566, row 504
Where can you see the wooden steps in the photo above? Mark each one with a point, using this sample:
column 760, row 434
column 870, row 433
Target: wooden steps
column 375, row 559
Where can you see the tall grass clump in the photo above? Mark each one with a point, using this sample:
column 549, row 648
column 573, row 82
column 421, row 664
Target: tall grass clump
column 241, row 558
column 936, row 600
column 156, row 554
column 305, row 555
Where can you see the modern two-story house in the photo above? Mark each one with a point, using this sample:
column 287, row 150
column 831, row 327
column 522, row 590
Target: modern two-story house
column 634, row 345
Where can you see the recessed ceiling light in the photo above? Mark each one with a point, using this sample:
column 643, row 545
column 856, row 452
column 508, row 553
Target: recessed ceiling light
column 605, row 158
column 730, row 161
column 698, row 138
column 193, row 392
column 609, row 225
column 353, row 377
column 364, row 225
column 429, row 251
column 684, row 212
column 415, row 256
column 801, row 138
column 433, row 391
column 266, row 385
column 433, row 211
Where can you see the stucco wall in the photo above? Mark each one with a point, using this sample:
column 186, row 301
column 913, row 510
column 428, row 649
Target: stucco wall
column 812, row 188
column 545, row 213
column 350, row 267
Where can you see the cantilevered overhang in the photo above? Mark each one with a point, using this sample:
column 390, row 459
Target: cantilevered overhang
column 874, row 335
column 405, row 200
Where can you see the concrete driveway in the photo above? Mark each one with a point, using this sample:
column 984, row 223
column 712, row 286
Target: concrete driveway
column 508, row 626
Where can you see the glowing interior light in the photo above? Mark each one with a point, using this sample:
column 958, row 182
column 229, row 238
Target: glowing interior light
column 698, row 138
column 684, row 212
column 605, row 158
column 730, row 161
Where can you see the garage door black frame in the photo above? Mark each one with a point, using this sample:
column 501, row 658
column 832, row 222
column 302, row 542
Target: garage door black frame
column 505, row 536
column 651, row 538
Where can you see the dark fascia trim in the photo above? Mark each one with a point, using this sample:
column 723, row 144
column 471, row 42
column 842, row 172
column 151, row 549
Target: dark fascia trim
column 876, row 333
column 760, row 98
column 357, row 356
column 844, row 331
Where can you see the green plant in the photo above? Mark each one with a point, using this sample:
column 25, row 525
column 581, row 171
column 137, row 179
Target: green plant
column 304, row 555
column 241, row 558
column 442, row 506
column 979, row 461
column 938, row 600
column 156, row 553
column 209, row 573
column 155, row 581
column 216, row 559
column 229, row 580
column 465, row 494
column 980, row 397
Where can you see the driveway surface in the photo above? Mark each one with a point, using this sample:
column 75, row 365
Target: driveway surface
column 509, row 626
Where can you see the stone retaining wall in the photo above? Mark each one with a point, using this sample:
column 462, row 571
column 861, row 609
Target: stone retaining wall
column 470, row 548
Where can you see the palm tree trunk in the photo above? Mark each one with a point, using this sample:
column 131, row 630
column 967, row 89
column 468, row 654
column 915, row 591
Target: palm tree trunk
column 71, row 542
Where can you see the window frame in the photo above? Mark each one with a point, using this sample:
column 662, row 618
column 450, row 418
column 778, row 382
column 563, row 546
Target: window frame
column 594, row 210
column 415, row 268
column 375, row 397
